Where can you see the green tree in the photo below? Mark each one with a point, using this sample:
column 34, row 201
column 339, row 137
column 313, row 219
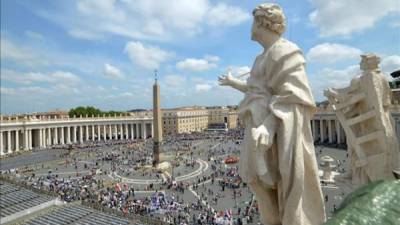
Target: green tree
column 90, row 111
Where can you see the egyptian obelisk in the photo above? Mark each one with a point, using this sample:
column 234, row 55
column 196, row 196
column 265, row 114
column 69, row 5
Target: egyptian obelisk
column 157, row 126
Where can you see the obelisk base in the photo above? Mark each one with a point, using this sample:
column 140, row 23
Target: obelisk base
column 156, row 153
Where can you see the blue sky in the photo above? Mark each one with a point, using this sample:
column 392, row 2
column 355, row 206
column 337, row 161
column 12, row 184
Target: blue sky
column 62, row 54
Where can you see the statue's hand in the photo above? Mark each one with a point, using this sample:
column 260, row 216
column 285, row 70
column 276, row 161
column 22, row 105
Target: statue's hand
column 226, row 80
column 262, row 136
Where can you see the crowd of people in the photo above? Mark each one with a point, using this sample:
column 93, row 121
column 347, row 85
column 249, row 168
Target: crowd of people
column 166, row 202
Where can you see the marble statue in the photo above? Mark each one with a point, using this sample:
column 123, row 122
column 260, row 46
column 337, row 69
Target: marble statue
column 363, row 111
column 277, row 157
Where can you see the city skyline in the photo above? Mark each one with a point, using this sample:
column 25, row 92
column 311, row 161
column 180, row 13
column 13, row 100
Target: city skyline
column 62, row 54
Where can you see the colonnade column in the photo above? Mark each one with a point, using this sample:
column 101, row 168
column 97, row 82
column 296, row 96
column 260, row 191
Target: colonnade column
column 144, row 130
column 56, row 136
column 40, row 138
column 321, row 130
column 121, row 132
column 132, row 134
column 110, row 132
column 80, row 134
column 74, row 134
column 62, row 136
column 8, row 142
column 49, row 136
column 17, row 140
column 98, row 133
column 44, row 135
column 1, row 143
column 330, row 133
column 126, row 131
column 152, row 129
column 137, row 130
column 68, row 135
column 87, row 133
column 338, row 135
column 116, row 130
column 44, row 144
column 104, row 132
column 26, row 140
column 92, row 132
column 29, row 139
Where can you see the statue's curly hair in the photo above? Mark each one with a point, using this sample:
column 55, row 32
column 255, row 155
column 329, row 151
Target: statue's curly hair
column 270, row 16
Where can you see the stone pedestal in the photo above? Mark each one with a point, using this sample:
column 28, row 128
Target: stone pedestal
column 327, row 167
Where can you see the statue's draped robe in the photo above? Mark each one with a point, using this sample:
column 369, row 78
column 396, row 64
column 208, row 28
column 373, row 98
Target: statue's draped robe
column 284, row 177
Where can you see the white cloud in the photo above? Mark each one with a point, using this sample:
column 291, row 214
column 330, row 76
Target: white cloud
column 174, row 80
column 66, row 89
column 112, row 71
column 198, row 65
column 344, row 17
column 23, row 55
column 90, row 7
column 24, row 91
column 395, row 24
column 203, row 87
column 34, row 35
column 127, row 95
column 58, row 77
column 238, row 70
column 146, row 56
column 211, row 58
column 338, row 78
column 331, row 53
column 47, row 56
column 143, row 19
column 7, row 91
column 390, row 64
column 223, row 14
column 64, row 77
column 85, row 34
column 331, row 77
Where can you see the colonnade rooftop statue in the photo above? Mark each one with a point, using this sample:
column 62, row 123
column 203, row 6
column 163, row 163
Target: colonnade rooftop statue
column 363, row 110
column 278, row 157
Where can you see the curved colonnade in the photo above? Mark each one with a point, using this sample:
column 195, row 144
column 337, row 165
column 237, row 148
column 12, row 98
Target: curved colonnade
column 28, row 134
column 17, row 135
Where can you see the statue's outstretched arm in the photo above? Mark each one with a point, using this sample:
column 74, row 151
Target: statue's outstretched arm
column 240, row 85
column 229, row 80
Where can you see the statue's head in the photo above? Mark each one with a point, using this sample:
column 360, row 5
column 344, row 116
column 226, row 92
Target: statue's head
column 269, row 16
column 369, row 62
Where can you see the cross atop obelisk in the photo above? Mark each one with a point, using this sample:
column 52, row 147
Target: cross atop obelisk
column 157, row 120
